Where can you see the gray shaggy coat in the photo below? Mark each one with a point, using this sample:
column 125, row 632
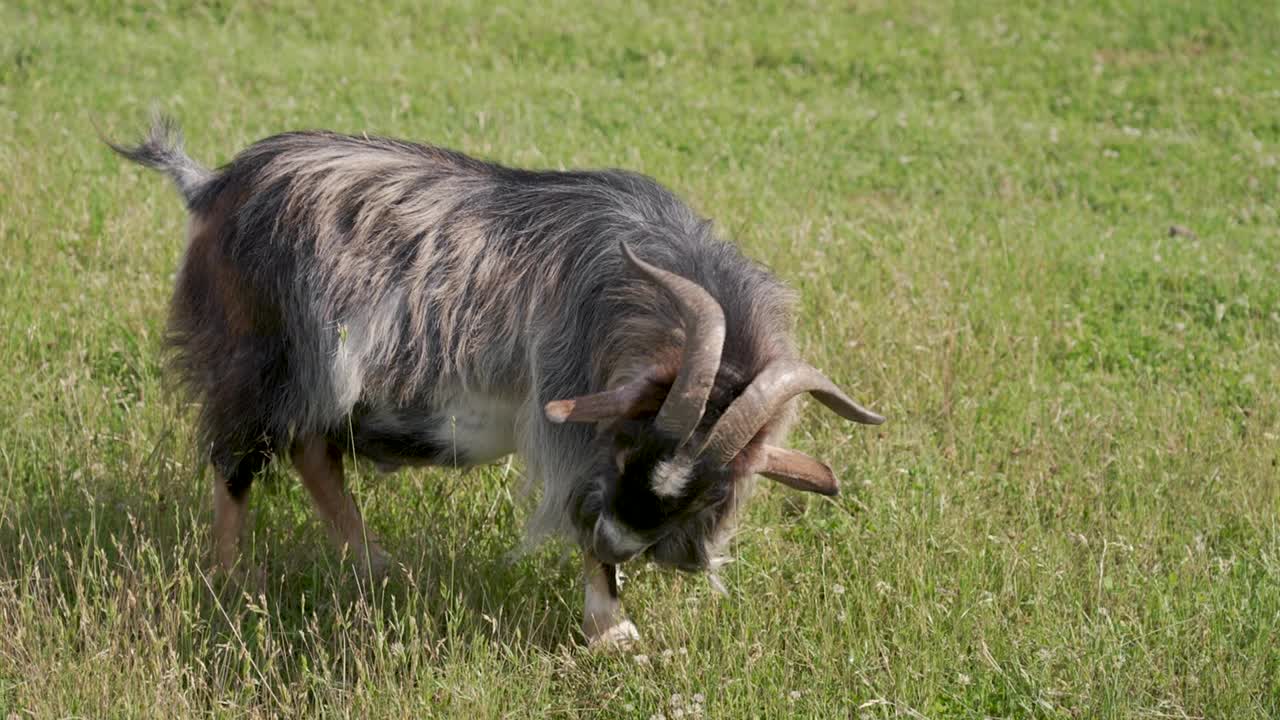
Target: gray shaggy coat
column 418, row 306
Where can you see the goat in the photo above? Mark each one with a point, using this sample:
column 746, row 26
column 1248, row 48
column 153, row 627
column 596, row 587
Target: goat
column 416, row 306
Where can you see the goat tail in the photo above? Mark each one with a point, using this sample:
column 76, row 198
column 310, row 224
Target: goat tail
column 162, row 150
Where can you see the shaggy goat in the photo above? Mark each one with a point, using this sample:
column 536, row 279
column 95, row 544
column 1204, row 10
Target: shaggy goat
column 417, row 306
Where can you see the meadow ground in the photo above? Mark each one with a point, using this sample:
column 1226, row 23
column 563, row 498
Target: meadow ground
column 1071, row 513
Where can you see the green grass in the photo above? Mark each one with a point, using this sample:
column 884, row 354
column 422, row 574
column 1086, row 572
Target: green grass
column 1071, row 513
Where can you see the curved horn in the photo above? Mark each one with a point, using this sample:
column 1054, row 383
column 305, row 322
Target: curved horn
column 643, row 394
column 797, row 470
column 780, row 381
column 704, row 339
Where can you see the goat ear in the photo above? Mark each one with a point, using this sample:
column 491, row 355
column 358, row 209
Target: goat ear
column 799, row 471
column 644, row 394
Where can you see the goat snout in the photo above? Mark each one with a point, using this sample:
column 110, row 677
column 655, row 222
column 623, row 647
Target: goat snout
column 614, row 543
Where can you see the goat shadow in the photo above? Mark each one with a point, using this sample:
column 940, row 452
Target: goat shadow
column 457, row 572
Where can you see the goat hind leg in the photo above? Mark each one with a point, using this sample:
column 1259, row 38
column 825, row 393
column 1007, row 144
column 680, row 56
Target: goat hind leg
column 233, row 475
column 228, row 524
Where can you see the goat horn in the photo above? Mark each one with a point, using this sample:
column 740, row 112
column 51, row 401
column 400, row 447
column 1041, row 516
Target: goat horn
column 704, row 339
column 780, row 381
column 797, row 470
column 643, row 394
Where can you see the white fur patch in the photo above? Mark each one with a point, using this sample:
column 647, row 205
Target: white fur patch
column 481, row 427
column 347, row 376
column 364, row 335
column 670, row 477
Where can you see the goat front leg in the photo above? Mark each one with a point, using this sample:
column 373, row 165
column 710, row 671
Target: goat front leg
column 602, row 620
column 319, row 462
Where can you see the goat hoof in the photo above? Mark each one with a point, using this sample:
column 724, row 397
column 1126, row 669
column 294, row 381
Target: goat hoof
column 619, row 637
column 375, row 563
column 241, row 576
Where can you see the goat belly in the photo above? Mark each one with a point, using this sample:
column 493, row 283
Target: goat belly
column 469, row 430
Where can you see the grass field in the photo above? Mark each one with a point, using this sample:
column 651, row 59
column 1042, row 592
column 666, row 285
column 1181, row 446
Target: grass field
column 1073, row 511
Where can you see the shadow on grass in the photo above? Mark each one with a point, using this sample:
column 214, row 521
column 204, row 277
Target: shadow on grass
column 132, row 553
